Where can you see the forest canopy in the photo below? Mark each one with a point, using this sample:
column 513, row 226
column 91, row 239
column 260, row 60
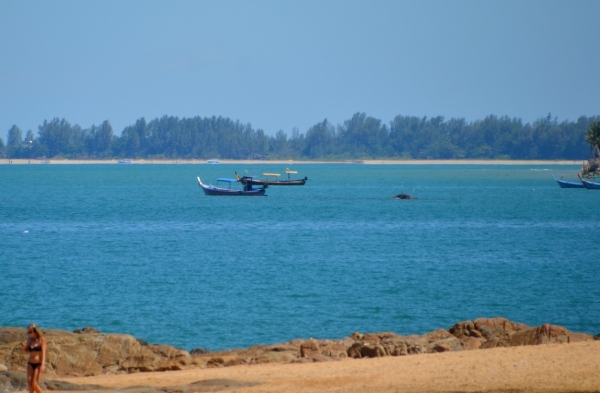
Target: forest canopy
column 360, row 137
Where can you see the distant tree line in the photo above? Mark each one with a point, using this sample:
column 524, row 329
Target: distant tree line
column 360, row 137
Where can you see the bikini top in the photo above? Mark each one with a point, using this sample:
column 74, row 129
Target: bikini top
column 35, row 349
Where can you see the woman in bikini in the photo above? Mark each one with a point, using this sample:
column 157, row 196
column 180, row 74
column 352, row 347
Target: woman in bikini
column 36, row 346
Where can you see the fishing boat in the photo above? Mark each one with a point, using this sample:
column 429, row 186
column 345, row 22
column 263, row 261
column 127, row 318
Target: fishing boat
column 272, row 179
column 568, row 184
column 213, row 161
column 590, row 185
column 248, row 190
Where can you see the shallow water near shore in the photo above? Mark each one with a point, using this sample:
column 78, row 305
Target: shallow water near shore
column 140, row 249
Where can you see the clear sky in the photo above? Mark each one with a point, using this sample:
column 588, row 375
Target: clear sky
column 283, row 64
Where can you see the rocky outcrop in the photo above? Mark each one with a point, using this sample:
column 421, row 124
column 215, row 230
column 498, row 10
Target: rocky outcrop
column 94, row 353
column 16, row 381
column 468, row 335
column 500, row 332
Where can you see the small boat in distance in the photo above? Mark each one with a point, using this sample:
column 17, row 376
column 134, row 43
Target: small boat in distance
column 213, row 161
column 272, row 179
column 248, row 190
column 125, row 161
column 590, row 185
column 568, row 184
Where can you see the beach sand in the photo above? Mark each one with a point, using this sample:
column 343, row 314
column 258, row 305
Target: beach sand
column 21, row 161
column 544, row 368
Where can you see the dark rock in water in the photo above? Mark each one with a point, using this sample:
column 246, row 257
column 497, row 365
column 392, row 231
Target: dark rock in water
column 87, row 330
column 199, row 351
column 597, row 337
column 404, row 196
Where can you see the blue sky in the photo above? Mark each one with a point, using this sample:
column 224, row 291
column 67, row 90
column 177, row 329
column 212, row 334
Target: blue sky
column 284, row 64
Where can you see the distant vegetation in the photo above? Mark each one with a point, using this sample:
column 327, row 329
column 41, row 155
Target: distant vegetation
column 361, row 137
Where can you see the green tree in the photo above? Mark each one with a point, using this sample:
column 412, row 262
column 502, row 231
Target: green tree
column 363, row 136
column 319, row 140
column 15, row 136
column 279, row 145
column 99, row 140
column 55, row 136
column 593, row 137
column 29, row 137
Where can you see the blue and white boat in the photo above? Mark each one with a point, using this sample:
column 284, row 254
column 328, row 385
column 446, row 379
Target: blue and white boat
column 568, row 184
column 247, row 189
column 590, row 185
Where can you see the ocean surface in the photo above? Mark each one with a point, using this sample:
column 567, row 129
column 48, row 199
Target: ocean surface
column 140, row 249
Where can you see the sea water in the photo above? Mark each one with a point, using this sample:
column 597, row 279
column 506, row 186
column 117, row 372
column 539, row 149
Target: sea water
column 140, row 249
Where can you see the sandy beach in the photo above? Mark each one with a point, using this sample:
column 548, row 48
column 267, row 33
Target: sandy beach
column 571, row 367
column 292, row 162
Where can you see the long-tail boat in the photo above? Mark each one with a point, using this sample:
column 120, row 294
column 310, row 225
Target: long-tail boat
column 272, row 179
column 590, row 185
column 568, row 184
column 248, row 190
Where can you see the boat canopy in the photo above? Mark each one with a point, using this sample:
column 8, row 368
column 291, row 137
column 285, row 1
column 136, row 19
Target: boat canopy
column 228, row 180
column 272, row 174
column 288, row 171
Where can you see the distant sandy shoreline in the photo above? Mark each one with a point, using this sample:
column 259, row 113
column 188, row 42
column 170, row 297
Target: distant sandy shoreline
column 294, row 162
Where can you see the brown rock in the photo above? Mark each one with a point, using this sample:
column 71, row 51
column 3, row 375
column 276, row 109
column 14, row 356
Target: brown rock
column 93, row 353
column 86, row 330
column 372, row 351
column 371, row 338
column 309, row 348
column 302, row 360
column 12, row 335
column 198, row 362
column 140, row 362
column 354, row 351
column 276, row 357
column 465, row 329
column 437, row 335
column 415, row 349
column 546, row 334
column 199, row 351
column 400, row 350
column 237, row 362
column 499, row 329
column 356, row 336
column 320, row 358
column 334, row 349
column 215, row 362
column 446, row 344
column 471, row 343
column 175, row 363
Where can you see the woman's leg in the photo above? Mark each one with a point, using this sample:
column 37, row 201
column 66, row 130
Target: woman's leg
column 35, row 377
column 30, row 378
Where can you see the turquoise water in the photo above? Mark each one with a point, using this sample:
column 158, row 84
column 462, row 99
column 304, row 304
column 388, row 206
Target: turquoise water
column 140, row 249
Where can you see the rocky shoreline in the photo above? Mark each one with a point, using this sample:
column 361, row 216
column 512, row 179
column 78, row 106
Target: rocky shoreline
column 88, row 353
